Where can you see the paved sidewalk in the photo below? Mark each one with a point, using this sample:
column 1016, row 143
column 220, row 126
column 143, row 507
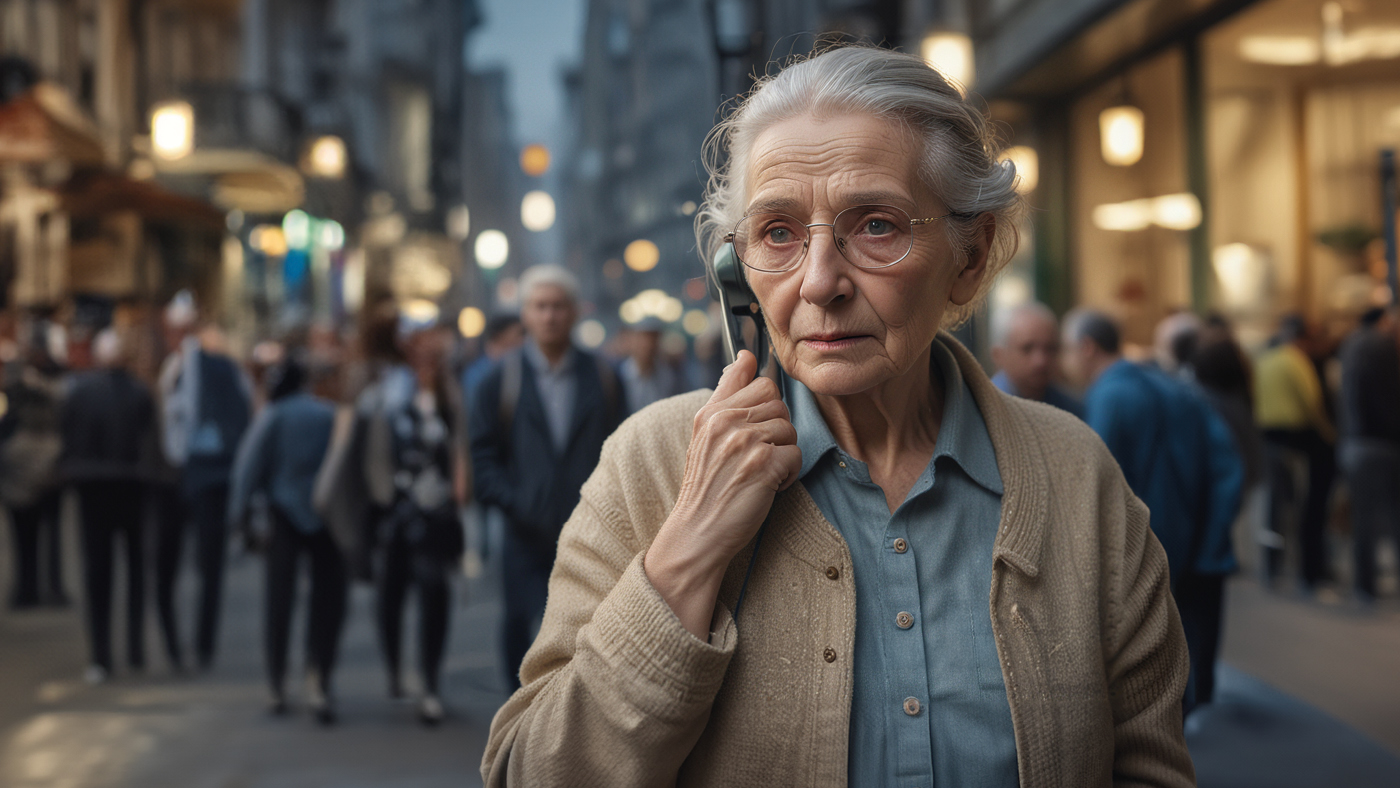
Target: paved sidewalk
column 213, row 731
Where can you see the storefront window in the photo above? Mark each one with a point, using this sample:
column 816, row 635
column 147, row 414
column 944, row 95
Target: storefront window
column 1302, row 95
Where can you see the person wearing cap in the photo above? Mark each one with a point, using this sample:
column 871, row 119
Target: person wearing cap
column 538, row 425
column 645, row 372
column 205, row 406
column 279, row 457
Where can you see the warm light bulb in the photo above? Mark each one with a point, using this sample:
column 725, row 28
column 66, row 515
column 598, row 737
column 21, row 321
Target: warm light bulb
column 1120, row 135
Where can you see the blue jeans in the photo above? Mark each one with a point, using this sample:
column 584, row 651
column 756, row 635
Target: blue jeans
column 526, row 575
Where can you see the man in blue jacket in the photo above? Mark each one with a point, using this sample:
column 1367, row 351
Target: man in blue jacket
column 538, row 424
column 1179, row 457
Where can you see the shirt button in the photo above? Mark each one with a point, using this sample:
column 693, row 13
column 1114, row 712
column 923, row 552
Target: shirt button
column 842, row 464
column 911, row 707
column 904, row 620
column 829, row 655
column 900, row 545
column 833, row 573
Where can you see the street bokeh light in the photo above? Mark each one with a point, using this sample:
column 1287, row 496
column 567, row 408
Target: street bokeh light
column 641, row 255
column 471, row 321
column 172, row 129
column 950, row 54
column 591, row 334
column 534, row 160
column 537, row 211
column 492, row 249
column 326, row 158
column 1121, row 135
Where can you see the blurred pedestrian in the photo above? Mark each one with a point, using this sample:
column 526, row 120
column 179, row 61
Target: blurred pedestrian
column 1370, row 441
column 279, row 458
column 538, row 426
column 1026, row 351
column 1174, row 343
column 1220, row 366
column 1292, row 414
column 647, row 375
column 414, row 467
column 503, row 334
column 712, row 622
column 206, row 403
column 108, row 446
column 30, row 444
column 1179, row 457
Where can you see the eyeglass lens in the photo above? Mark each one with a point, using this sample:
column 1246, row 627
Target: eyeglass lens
column 870, row 236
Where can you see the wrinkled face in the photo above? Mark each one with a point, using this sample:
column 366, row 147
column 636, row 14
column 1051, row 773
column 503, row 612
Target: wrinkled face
column 1031, row 349
column 837, row 328
column 548, row 314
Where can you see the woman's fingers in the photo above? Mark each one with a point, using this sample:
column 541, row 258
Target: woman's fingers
column 736, row 376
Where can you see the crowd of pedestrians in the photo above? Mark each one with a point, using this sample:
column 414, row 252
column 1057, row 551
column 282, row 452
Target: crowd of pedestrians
column 364, row 466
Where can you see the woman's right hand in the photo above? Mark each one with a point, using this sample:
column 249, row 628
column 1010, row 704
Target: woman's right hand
column 743, row 451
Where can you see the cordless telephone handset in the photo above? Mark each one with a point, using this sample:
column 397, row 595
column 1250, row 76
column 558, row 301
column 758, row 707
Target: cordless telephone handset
column 728, row 286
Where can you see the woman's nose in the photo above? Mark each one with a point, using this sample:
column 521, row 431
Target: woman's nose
column 826, row 274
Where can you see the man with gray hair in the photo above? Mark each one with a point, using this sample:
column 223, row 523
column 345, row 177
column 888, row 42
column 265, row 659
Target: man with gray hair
column 538, row 424
column 1026, row 350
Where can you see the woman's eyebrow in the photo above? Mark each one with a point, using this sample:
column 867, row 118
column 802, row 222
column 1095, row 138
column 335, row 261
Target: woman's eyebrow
column 776, row 205
column 789, row 205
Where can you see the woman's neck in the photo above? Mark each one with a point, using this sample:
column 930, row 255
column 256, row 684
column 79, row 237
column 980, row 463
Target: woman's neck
column 892, row 428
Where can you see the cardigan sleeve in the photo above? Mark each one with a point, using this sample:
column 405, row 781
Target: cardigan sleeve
column 616, row 692
column 1147, row 665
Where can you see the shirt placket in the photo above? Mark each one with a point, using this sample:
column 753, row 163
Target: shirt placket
column 901, row 634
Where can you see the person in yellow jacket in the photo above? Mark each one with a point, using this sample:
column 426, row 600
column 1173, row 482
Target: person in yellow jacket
column 1292, row 415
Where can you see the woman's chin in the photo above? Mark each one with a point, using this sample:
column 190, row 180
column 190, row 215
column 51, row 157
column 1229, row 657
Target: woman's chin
column 840, row 378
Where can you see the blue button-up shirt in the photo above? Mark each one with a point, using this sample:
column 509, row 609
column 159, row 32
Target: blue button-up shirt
column 929, row 705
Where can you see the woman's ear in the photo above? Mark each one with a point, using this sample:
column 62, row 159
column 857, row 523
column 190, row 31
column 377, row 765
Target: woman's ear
column 969, row 279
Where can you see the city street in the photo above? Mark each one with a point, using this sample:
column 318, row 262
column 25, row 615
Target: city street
column 1307, row 698
column 213, row 731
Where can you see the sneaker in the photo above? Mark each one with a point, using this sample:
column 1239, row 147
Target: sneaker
column 318, row 700
column 95, row 675
column 430, row 710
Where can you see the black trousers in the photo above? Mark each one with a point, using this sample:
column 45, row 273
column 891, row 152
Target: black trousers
column 171, row 519
column 326, row 611
column 38, row 553
column 1373, row 472
column 112, row 510
column 401, row 565
column 1200, row 599
column 526, row 573
column 209, row 509
column 1322, row 471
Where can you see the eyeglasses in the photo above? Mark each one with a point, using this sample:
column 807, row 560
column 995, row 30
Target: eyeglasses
column 869, row 236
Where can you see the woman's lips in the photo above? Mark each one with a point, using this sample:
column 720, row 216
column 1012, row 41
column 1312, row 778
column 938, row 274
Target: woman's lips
column 833, row 342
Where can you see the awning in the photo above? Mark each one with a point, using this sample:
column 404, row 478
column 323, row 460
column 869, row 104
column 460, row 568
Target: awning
column 45, row 125
column 93, row 194
column 249, row 181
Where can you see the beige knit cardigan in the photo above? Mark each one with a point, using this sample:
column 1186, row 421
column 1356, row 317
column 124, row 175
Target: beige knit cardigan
column 617, row 693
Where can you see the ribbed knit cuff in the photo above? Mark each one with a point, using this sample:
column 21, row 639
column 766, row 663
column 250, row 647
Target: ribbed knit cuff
column 659, row 666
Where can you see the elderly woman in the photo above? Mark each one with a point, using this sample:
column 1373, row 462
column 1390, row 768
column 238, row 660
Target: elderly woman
column 900, row 576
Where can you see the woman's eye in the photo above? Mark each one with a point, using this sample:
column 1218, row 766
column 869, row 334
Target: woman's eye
column 779, row 235
column 878, row 227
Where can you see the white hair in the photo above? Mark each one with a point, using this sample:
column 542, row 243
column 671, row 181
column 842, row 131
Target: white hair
column 108, row 350
column 960, row 150
column 1004, row 320
column 548, row 274
column 181, row 312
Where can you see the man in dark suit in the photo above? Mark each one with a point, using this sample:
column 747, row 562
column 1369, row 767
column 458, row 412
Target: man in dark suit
column 537, row 429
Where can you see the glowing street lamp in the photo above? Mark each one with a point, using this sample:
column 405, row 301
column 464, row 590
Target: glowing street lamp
column 641, row 255
column 950, row 54
column 1120, row 135
column 492, row 249
column 537, row 211
column 471, row 321
column 326, row 158
column 172, row 129
column 534, row 160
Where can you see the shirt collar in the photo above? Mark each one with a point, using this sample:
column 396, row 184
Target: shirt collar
column 541, row 364
column 962, row 438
